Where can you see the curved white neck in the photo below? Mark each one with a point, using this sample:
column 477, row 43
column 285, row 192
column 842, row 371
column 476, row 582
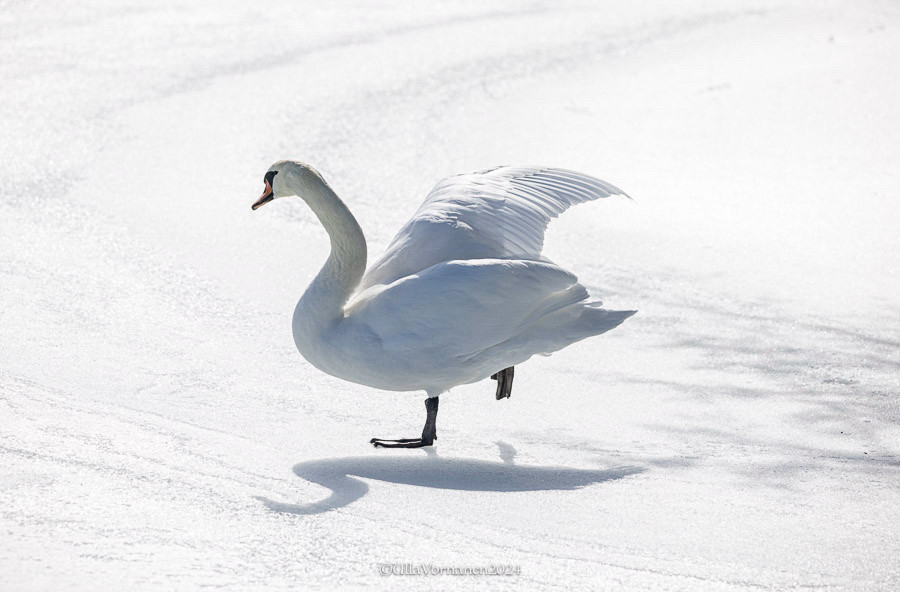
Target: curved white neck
column 323, row 302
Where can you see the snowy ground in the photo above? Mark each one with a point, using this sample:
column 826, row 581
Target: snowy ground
column 158, row 430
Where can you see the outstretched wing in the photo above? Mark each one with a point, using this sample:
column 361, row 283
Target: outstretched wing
column 496, row 213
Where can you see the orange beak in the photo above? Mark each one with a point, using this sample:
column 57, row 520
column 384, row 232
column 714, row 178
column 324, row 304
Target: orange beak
column 267, row 196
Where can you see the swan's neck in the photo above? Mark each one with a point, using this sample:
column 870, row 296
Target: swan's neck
column 323, row 302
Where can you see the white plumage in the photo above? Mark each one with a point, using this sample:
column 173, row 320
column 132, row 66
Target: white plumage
column 461, row 292
column 497, row 213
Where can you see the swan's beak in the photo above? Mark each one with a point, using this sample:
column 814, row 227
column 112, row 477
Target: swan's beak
column 267, row 196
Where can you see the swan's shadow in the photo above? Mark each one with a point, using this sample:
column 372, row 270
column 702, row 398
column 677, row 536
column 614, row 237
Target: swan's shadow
column 434, row 471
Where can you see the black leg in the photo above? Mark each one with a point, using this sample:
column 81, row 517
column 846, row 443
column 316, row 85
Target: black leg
column 504, row 380
column 429, row 432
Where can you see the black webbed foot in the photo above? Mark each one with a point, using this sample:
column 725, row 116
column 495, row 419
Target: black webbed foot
column 504, row 380
column 429, row 432
column 401, row 443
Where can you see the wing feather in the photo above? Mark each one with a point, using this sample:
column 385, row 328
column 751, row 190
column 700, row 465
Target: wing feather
column 498, row 298
column 496, row 213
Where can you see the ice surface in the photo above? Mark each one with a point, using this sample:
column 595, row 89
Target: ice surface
column 158, row 430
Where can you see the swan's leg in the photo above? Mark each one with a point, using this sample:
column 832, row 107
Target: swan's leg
column 504, row 380
column 429, row 432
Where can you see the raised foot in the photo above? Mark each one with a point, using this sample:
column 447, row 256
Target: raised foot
column 504, row 380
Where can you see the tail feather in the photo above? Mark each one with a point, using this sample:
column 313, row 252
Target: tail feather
column 599, row 320
column 557, row 301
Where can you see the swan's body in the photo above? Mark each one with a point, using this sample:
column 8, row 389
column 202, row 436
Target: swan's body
column 462, row 291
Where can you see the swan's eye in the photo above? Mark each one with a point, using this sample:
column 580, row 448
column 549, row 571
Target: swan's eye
column 270, row 177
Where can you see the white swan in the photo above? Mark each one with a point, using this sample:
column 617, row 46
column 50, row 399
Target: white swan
column 462, row 292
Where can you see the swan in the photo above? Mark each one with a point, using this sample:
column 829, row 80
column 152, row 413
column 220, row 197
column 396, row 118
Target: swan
column 461, row 293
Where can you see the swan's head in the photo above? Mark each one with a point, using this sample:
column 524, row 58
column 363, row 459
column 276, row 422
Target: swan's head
column 286, row 178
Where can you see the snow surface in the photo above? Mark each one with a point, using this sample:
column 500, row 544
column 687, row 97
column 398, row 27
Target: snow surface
column 158, row 430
